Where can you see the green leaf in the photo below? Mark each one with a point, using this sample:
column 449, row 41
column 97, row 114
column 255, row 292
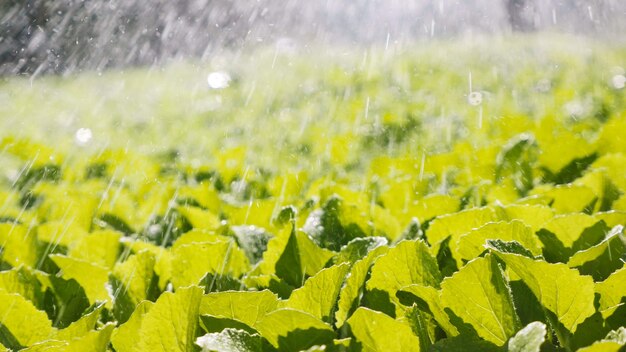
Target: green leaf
column 312, row 257
column 612, row 292
column 191, row 262
column 100, row 248
column 153, row 329
column 247, row 307
column 133, row 281
column 463, row 343
column 81, row 327
column 252, row 240
column 65, row 300
column 561, row 290
column 96, row 341
column 409, row 262
column 23, row 282
column 379, row 332
column 292, row 330
column 532, row 215
column 289, row 264
column 602, row 259
column 423, row 325
column 481, row 297
column 18, row 245
column 457, row 224
column 21, row 324
column 355, row 284
column 472, row 244
column 199, row 218
column 432, row 298
column 230, row 340
column 358, row 248
column 125, row 337
column 91, row 277
column 529, row 339
column 319, row 294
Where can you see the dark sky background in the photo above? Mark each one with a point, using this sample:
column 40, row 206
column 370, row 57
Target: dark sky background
column 59, row 36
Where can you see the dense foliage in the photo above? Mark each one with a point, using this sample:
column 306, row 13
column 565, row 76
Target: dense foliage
column 348, row 212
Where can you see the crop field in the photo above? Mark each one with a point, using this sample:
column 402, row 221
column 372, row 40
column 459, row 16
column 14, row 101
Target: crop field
column 451, row 196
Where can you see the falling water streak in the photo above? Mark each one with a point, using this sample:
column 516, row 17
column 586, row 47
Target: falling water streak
column 4, row 318
column 470, row 82
column 250, row 93
column 422, row 163
column 25, row 169
column 106, row 191
column 387, row 41
column 52, row 245
column 117, row 193
column 245, row 220
column 432, row 27
column 554, row 16
column 170, row 225
column 590, row 11
column 223, row 265
column 367, row 108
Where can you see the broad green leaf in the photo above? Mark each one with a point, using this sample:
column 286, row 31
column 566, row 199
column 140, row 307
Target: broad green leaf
column 247, row 307
column 432, row 298
column 567, row 228
column 423, row 324
column 92, row 341
column 457, row 224
column 133, row 281
column 191, row 262
column 358, row 248
column 602, row 259
column 532, row 215
column 93, row 278
column 163, row 257
column 81, row 327
column 18, row 245
column 65, row 300
column 409, row 262
column 282, row 258
column 561, row 290
column 612, row 291
column 230, row 340
column 470, row 245
column 312, row 257
column 379, row 332
column 529, row 339
column 355, row 284
column 178, row 310
column 199, row 218
column 22, row 281
column 463, row 343
column 319, row 293
column 252, row 240
column 292, row 330
column 481, row 297
column 60, row 233
column 613, row 342
column 568, row 198
column 100, row 247
column 21, row 324
column 126, row 337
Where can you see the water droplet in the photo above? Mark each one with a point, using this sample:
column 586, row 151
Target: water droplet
column 218, row 80
column 543, row 85
column 475, row 98
column 83, row 136
column 618, row 81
